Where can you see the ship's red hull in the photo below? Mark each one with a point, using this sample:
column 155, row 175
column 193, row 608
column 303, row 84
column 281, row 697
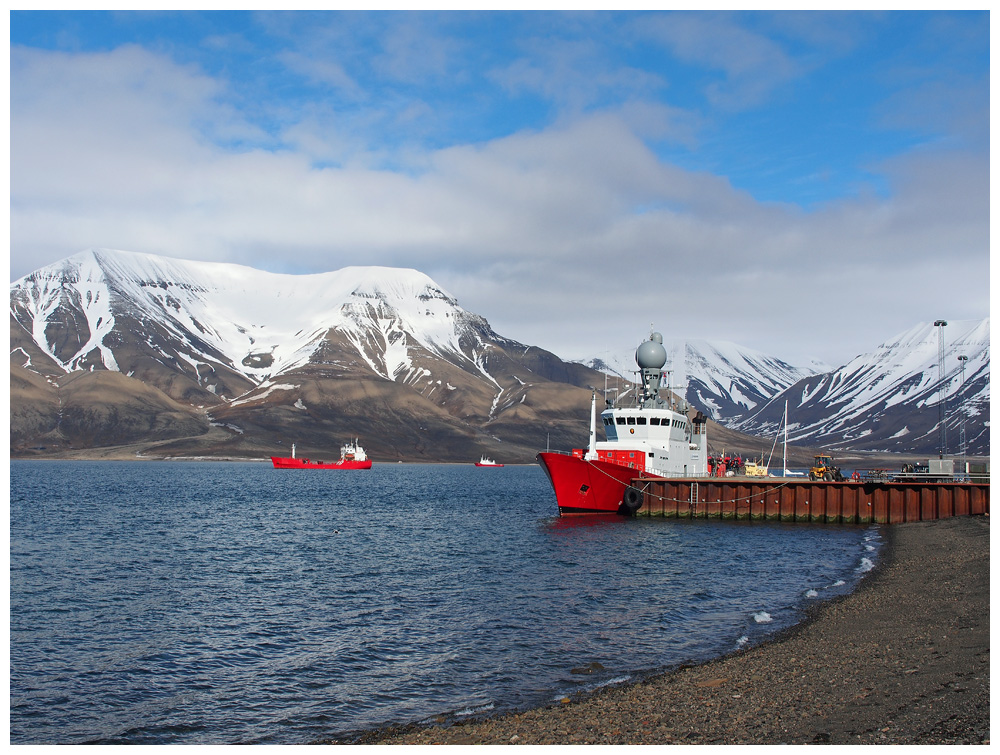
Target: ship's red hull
column 287, row 462
column 590, row 487
column 488, row 465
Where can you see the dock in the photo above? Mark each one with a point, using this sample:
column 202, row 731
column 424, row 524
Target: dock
column 785, row 499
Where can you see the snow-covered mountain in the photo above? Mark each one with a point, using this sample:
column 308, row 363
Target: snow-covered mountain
column 259, row 324
column 724, row 380
column 890, row 399
column 885, row 401
column 343, row 350
column 110, row 348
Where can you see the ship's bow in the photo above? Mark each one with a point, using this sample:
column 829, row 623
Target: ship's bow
column 585, row 487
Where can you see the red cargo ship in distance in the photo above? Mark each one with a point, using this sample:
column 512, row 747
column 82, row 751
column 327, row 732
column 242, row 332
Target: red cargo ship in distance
column 651, row 438
column 352, row 456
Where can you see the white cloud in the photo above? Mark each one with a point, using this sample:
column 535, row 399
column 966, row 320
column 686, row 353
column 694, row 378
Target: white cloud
column 574, row 237
column 574, row 74
column 327, row 72
column 752, row 64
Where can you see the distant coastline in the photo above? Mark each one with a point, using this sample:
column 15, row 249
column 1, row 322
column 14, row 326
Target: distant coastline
column 146, row 452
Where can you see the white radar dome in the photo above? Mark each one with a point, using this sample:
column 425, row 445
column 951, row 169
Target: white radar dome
column 651, row 355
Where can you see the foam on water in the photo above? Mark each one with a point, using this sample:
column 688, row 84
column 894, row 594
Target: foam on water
column 466, row 712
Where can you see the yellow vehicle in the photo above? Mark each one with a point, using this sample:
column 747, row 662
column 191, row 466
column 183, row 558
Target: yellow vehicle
column 823, row 469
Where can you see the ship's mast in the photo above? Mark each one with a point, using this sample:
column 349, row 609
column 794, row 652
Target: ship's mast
column 651, row 356
column 592, row 448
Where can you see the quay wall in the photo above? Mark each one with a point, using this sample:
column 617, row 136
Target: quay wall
column 787, row 500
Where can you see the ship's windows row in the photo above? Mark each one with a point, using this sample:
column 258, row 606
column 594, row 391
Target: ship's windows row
column 653, row 421
column 679, row 423
column 629, row 421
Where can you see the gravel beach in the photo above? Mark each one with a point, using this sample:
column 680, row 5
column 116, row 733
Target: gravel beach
column 905, row 659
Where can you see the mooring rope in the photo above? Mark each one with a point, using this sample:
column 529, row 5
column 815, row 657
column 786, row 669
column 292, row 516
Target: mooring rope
column 646, row 481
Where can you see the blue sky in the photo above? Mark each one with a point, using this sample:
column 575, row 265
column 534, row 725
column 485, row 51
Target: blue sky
column 572, row 177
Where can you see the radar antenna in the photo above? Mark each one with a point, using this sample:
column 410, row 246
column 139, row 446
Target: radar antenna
column 651, row 356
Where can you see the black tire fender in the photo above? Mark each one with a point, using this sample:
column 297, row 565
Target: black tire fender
column 632, row 499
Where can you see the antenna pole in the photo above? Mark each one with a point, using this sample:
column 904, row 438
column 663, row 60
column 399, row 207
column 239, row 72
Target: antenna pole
column 784, row 449
column 942, row 392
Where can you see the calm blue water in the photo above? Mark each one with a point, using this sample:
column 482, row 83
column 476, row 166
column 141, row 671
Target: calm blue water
column 229, row 602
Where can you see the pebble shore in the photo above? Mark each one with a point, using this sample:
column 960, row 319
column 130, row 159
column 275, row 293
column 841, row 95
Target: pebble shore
column 905, row 659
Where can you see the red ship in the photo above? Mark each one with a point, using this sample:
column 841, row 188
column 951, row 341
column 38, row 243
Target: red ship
column 352, row 456
column 652, row 438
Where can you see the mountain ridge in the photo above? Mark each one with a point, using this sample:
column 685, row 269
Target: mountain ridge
column 263, row 359
column 882, row 401
column 886, row 398
column 275, row 359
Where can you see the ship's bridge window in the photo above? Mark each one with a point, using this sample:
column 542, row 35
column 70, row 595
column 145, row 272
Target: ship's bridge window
column 630, row 421
column 654, row 420
column 620, row 420
column 607, row 420
column 640, row 421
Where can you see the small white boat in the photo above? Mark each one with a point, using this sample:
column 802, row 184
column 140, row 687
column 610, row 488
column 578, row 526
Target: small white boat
column 484, row 462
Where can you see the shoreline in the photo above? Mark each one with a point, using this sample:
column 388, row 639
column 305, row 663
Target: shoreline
column 903, row 659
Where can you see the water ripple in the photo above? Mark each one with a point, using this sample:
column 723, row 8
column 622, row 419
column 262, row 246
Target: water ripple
column 210, row 603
